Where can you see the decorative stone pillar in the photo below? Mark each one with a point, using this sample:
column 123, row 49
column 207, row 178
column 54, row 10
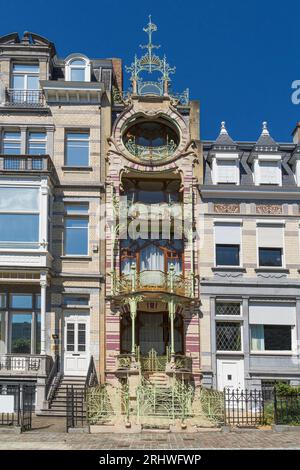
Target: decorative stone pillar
column 43, row 284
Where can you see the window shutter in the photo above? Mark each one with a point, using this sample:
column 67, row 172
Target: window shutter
column 270, row 236
column 269, row 172
column 227, row 171
column 227, row 233
column 272, row 313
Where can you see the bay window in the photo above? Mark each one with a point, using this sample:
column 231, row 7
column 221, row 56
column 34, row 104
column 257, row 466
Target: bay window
column 151, row 256
column 19, row 216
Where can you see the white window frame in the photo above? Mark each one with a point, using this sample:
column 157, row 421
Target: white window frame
column 280, row 223
column 78, row 215
column 25, row 74
column 257, row 169
column 36, row 141
column 291, row 352
column 220, row 319
column 69, row 67
column 229, row 221
column 229, row 157
column 228, row 301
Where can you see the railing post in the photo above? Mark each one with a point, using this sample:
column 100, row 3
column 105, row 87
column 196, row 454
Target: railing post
column 133, row 310
column 171, row 307
column 171, row 277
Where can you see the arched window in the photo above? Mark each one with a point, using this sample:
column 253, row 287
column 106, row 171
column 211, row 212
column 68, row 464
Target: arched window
column 78, row 69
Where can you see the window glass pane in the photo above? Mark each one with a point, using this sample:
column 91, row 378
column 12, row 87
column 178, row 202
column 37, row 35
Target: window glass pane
column 11, row 148
column 70, row 337
column 32, row 83
column 19, row 199
column 38, row 335
column 77, row 74
column 227, row 255
column 77, row 208
column 228, row 308
column 33, row 68
column 277, row 338
column 38, row 301
column 76, row 236
column 19, row 228
column 257, row 337
column 2, row 333
column 21, row 301
column 21, row 333
column 35, row 148
column 270, row 256
column 2, row 300
column 75, row 300
column 77, row 62
column 77, row 149
column 81, row 337
column 10, row 135
column 228, row 336
column 18, row 82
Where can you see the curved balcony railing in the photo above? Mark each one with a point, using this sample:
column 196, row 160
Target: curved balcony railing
column 151, row 153
column 153, row 362
column 153, row 281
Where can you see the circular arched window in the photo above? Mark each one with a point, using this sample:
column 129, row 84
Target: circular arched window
column 153, row 140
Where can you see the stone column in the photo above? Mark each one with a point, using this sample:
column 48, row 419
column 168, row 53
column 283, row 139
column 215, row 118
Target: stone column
column 43, row 284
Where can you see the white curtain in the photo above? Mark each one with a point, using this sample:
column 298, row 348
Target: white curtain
column 257, row 338
column 126, row 265
column 152, row 259
column 177, row 265
column 151, row 333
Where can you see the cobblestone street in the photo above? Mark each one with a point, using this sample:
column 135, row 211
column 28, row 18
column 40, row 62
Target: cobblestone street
column 50, row 435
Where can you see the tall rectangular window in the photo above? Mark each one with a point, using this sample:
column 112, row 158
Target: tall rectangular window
column 19, row 215
column 77, row 148
column 36, row 144
column 227, row 243
column 76, row 230
column 21, row 333
column 270, row 244
column 25, row 83
column 11, row 143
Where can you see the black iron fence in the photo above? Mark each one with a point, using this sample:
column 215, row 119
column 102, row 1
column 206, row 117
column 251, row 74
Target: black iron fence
column 16, row 405
column 243, row 407
column 287, row 408
column 76, row 407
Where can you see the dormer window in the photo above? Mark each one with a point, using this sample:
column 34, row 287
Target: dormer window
column 225, row 169
column 267, row 170
column 78, row 69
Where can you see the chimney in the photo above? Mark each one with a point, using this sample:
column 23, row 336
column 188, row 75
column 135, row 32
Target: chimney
column 296, row 134
column 117, row 66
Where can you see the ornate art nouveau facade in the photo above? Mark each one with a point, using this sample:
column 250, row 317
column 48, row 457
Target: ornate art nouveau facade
column 132, row 252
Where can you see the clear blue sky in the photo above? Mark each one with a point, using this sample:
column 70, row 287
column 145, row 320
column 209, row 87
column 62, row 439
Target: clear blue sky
column 238, row 58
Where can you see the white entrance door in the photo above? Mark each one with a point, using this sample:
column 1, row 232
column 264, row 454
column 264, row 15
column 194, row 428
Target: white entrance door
column 230, row 373
column 76, row 350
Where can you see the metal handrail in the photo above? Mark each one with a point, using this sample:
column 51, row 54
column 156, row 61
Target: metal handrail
column 25, row 162
column 91, row 376
column 151, row 153
column 53, row 381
